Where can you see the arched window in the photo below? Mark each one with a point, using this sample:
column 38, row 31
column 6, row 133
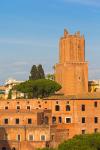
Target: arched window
column 53, row 120
column 67, row 107
column 57, row 108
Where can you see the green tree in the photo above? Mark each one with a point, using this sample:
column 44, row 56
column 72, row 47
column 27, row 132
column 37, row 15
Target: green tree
column 38, row 88
column 34, row 73
column 40, row 72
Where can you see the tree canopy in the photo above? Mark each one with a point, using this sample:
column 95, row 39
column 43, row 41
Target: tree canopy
column 38, row 88
column 37, row 72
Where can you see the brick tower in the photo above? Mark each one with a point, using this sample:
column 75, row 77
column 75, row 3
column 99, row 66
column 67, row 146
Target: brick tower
column 72, row 70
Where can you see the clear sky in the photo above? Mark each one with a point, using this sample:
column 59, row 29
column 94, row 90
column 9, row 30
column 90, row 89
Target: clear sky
column 30, row 32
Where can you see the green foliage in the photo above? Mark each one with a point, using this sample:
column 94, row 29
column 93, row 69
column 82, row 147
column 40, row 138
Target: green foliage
column 38, row 88
column 10, row 94
column 50, row 77
column 37, row 72
column 40, row 72
column 82, row 142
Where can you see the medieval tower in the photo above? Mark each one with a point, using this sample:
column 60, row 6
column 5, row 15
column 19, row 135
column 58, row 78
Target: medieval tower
column 72, row 70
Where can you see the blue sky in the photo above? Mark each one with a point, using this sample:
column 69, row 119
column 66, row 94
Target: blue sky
column 30, row 32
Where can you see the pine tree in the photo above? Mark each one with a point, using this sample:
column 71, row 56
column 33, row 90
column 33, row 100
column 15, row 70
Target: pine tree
column 34, row 75
column 41, row 72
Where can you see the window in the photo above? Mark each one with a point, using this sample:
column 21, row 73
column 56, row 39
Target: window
column 5, row 121
column 83, row 119
column 83, row 131
column 28, row 107
column 3, row 148
column 5, row 137
column 95, row 104
column 56, row 102
column 46, row 120
column 68, row 120
column 13, row 148
column 31, row 137
column 95, row 119
column 18, row 107
column 6, row 107
column 18, row 137
column 83, row 108
column 43, row 138
column 95, row 130
column 53, row 120
column 60, row 119
column 17, row 120
column 29, row 121
column 57, row 108
column 67, row 108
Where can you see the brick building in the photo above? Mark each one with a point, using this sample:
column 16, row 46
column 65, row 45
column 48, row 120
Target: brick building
column 27, row 124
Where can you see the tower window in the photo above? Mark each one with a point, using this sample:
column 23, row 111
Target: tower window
column 68, row 120
column 83, row 119
column 18, row 107
column 6, row 107
column 53, row 120
column 95, row 119
column 17, row 120
column 31, row 137
column 57, row 108
column 29, row 121
column 5, row 121
column 18, row 137
column 43, row 138
column 60, row 119
column 83, row 107
column 67, row 108
column 28, row 107
column 95, row 104
column 83, row 131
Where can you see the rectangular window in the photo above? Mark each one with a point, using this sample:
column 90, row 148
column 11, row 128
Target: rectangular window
column 83, row 108
column 28, row 107
column 95, row 119
column 68, row 120
column 31, row 137
column 18, row 137
column 29, row 121
column 95, row 104
column 18, row 107
column 43, row 138
column 60, row 119
column 17, row 120
column 5, row 121
column 83, row 131
column 6, row 107
column 83, row 119
column 95, row 130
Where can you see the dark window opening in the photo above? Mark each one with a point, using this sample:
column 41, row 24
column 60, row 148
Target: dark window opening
column 28, row 107
column 83, row 131
column 67, row 108
column 18, row 107
column 83, row 107
column 13, row 148
column 18, row 137
column 57, row 108
column 29, row 121
column 6, row 107
column 95, row 130
column 53, row 120
column 83, row 119
column 3, row 148
column 95, row 104
column 60, row 119
column 17, row 121
column 95, row 119
column 6, row 121
column 68, row 120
